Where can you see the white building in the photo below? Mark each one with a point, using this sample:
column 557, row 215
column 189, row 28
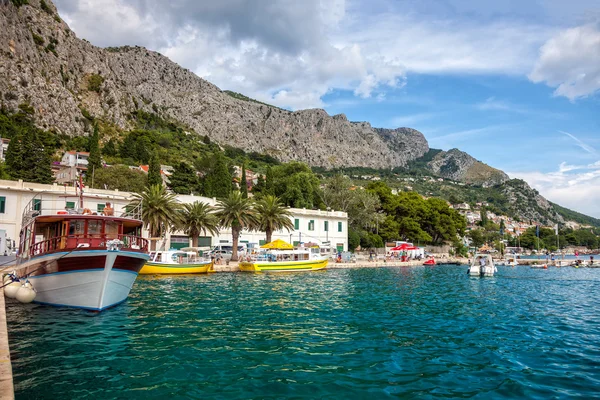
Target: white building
column 325, row 228
column 75, row 158
column 3, row 148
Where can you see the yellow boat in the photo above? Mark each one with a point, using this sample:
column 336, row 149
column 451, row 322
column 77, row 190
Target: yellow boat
column 286, row 261
column 175, row 262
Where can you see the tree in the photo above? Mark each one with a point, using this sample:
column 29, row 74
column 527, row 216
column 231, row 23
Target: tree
column 236, row 213
column 197, row 218
column 272, row 216
column 483, row 215
column 15, row 158
column 244, row 182
column 122, row 178
column 160, row 210
column 337, row 194
column 94, row 161
column 110, row 148
column 217, row 182
column 184, row 179
column 269, row 181
column 154, row 177
column 477, row 239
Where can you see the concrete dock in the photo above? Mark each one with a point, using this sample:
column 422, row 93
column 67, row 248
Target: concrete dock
column 6, row 377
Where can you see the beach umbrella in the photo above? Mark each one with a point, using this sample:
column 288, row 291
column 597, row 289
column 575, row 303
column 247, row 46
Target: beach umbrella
column 278, row 245
column 403, row 246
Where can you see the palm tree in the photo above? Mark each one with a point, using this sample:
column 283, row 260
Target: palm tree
column 272, row 216
column 237, row 213
column 159, row 209
column 196, row 218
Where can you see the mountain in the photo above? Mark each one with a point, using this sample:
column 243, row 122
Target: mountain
column 61, row 76
column 459, row 166
column 67, row 82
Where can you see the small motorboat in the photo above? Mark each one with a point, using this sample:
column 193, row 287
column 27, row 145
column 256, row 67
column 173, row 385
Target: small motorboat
column 483, row 265
column 175, row 262
column 430, row 261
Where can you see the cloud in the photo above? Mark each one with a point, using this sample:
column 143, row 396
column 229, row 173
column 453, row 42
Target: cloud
column 492, row 104
column 570, row 61
column 578, row 191
column 292, row 53
column 580, row 143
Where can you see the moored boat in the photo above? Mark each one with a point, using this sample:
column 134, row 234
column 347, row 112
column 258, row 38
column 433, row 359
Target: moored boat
column 283, row 257
column 176, row 262
column 482, row 265
column 430, row 261
column 77, row 258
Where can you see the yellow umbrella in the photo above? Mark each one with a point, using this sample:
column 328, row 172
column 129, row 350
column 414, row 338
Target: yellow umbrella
column 278, row 244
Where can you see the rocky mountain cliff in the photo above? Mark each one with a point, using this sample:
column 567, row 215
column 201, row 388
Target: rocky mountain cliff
column 61, row 76
column 459, row 166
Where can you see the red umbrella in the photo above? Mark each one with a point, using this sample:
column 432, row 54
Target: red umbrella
column 403, row 246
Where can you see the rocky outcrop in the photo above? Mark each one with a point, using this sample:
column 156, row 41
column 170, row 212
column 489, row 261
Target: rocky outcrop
column 459, row 166
column 527, row 204
column 66, row 79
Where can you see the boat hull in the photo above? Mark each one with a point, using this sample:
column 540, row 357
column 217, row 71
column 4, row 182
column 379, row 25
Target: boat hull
column 154, row 268
column 283, row 266
column 92, row 280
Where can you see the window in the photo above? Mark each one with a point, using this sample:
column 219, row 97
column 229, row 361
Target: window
column 311, row 225
column 326, row 227
column 2, row 204
column 296, row 224
column 100, row 207
column 70, row 205
column 94, row 227
column 339, row 226
column 37, row 204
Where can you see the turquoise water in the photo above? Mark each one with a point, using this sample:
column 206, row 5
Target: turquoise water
column 387, row 332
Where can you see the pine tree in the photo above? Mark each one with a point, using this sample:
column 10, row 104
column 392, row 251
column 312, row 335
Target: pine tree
column 244, row 183
column 15, row 157
column 269, row 189
column 154, row 177
column 94, row 161
column 218, row 180
column 109, row 149
column 42, row 170
column 184, row 179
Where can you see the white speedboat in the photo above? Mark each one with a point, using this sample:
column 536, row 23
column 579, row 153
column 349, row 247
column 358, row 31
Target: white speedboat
column 482, row 265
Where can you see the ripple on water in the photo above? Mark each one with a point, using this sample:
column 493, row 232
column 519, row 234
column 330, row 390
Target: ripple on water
column 408, row 332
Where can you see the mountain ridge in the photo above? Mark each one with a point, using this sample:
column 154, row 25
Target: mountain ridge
column 68, row 82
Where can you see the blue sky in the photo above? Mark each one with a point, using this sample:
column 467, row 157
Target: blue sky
column 513, row 83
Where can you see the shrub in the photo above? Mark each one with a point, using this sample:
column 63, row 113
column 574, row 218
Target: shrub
column 37, row 39
column 45, row 7
column 94, row 83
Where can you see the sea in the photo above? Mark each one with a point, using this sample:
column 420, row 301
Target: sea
column 396, row 332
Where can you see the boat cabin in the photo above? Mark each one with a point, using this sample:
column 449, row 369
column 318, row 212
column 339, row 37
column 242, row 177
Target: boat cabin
column 52, row 233
column 302, row 254
column 174, row 257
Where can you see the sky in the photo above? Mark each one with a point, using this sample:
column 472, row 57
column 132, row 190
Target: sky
column 516, row 84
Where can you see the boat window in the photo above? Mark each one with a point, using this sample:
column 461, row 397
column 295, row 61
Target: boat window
column 76, row 227
column 94, row 227
column 112, row 229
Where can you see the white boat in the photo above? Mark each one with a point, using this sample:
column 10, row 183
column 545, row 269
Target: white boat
column 77, row 259
column 482, row 265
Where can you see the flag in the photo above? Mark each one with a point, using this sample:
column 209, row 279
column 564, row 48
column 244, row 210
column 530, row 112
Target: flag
column 556, row 229
column 537, row 230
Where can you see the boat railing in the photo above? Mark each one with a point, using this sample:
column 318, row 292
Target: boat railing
column 46, row 203
column 92, row 242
